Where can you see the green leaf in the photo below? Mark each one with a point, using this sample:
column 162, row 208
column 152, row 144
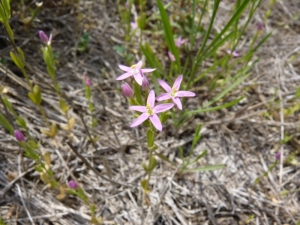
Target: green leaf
column 30, row 153
column 63, row 105
column 150, row 137
column 152, row 164
column 137, row 92
column 33, row 144
column 8, row 104
column 199, row 157
column 206, row 168
column 2, row 14
column 4, row 122
column 165, row 158
column 168, row 32
column 6, row 7
column 32, row 98
column 145, row 185
column 21, row 122
column 16, row 59
column 37, row 94
column 39, row 168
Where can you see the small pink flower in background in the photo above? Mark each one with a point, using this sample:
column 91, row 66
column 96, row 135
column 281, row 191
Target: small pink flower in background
column 174, row 93
column 149, row 112
column 260, row 26
column 134, row 25
column 179, row 41
column 127, row 90
column 44, row 38
column 88, row 82
column 135, row 71
column 19, row 136
column 127, row 4
column 277, row 156
column 73, row 185
column 171, row 56
column 234, row 53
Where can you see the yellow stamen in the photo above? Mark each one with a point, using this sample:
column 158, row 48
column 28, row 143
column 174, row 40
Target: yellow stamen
column 149, row 110
column 174, row 91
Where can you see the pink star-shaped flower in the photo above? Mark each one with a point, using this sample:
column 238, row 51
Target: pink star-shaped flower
column 149, row 112
column 174, row 93
column 179, row 41
column 135, row 71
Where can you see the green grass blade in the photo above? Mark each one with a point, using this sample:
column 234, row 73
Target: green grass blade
column 168, row 32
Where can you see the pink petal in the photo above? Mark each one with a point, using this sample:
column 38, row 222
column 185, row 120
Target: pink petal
column 139, row 120
column 177, row 102
column 139, row 65
column 163, row 97
column 124, row 76
column 162, row 107
column 138, row 78
column 164, row 85
column 156, row 122
column 178, row 82
column 185, row 94
column 124, row 68
column 151, row 98
column 138, row 108
column 148, row 70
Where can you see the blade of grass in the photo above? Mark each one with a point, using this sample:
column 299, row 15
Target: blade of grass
column 168, row 32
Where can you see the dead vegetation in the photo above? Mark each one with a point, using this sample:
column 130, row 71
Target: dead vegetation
column 245, row 137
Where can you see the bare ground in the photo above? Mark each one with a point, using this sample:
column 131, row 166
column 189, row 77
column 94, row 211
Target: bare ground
column 245, row 137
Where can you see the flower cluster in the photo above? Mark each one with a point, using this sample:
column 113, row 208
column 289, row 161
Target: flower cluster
column 150, row 110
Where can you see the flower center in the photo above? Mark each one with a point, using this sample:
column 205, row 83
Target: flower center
column 133, row 69
column 149, row 110
column 173, row 92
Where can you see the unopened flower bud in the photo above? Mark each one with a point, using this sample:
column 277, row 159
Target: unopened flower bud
column 145, row 83
column 260, row 26
column 171, row 56
column 72, row 184
column 88, row 82
column 127, row 90
column 277, row 156
column 19, row 136
column 43, row 36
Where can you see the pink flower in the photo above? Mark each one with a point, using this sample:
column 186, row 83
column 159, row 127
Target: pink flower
column 133, row 25
column 127, row 90
column 171, row 56
column 44, row 38
column 179, row 41
column 149, row 112
column 145, row 83
column 19, row 136
column 88, row 82
column 174, row 93
column 234, row 53
column 135, row 71
column 72, row 184
column 260, row 26
column 278, row 156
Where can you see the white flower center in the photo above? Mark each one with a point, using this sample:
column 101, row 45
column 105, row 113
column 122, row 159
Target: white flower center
column 149, row 110
column 133, row 69
column 173, row 92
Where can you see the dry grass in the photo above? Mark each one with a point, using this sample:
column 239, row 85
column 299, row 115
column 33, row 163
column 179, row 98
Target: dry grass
column 243, row 138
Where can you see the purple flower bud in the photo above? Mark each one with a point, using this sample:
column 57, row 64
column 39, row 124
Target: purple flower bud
column 260, row 26
column 72, row 184
column 19, row 136
column 43, row 36
column 145, row 83
column 127, row 90
column 278, row 156
column 88, row 82
column 171, row 56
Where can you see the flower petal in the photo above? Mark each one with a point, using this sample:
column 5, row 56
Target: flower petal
column 164, row 85
column 124, row 68
column 156, row 122
column 163, row 97
column 139, row 120
column 138, row 78
column 177, row 102
column 185, row 94
column 151, row 98
column 124, row 76
column 139, row 65
column 138, row 108
column 178, row 82
column 148, row 70
column 162, row 107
